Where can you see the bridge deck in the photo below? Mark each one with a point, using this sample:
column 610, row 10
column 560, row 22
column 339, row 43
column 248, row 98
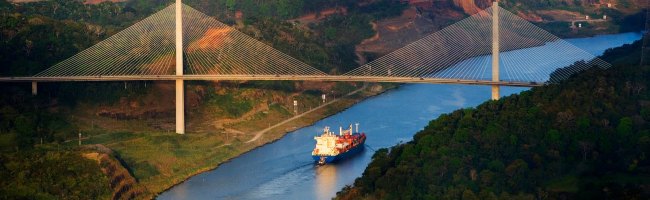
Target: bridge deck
column 271, row 78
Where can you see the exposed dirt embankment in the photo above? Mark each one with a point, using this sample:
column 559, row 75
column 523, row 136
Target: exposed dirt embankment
column 317, row 17
column 421, row 19
column 428, row 16
column 122, row 183
column 396, row 32
column 471, row 7
column 157, row 104
column 154, row 110
column 214, row 38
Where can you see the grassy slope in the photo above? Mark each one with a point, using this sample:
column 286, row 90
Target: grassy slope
column 156, row 159
column 159, row 160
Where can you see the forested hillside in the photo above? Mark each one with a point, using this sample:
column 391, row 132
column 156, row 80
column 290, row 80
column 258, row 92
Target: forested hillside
column 584, row 138
column 48, row 173
column 40, row 34
column 38, row 131
column 326, row 42
column 42, row 130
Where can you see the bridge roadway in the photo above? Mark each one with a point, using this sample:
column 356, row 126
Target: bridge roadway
column 339, row 78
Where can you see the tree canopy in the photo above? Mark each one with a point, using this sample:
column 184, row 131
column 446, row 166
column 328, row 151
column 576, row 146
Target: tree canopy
column 584, row 138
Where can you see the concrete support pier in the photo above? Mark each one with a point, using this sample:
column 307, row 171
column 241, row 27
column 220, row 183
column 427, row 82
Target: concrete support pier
column 495, row 49
column 34, row 88
column 180, row 107
column 180, row 89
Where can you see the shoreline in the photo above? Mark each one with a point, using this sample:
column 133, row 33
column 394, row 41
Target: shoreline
column 208, row 169
column 323, row 117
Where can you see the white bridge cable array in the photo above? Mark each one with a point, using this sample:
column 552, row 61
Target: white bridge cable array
column 462, row 51
column 214, row 48
column 145, row 48
column 545, row 53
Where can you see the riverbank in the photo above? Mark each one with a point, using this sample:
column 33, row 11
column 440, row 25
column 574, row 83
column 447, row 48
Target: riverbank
column 277, row 131
column 161, row 160
column 282, row 171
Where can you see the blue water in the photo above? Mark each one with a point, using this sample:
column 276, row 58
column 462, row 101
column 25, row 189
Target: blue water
column 536, row 63
column 285, row 170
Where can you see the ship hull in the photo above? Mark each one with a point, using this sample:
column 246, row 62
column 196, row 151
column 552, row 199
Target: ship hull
column 341, row 156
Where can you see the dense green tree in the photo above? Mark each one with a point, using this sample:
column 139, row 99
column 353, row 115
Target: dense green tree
column 231, row 4
column 51, row 174
column 624, row 126
column 583, row 138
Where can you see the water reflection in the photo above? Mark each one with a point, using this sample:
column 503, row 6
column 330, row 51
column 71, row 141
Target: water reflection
column 325, row 180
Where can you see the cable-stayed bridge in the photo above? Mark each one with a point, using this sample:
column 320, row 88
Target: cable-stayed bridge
column 180, row 43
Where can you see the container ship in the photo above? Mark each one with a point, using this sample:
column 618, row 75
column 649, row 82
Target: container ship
column 331, row 147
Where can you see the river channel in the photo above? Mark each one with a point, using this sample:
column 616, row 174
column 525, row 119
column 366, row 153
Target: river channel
column 285, row 170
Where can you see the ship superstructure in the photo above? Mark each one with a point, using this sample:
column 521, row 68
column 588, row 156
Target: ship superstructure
column 331, row 147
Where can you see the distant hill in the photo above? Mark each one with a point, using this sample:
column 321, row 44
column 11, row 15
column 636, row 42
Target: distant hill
column 585, row 138
column 560, row 17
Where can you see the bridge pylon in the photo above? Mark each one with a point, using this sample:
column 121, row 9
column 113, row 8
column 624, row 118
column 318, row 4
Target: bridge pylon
column 34, row 88
column 180, row 89
column 495, row 49
column 457, row 54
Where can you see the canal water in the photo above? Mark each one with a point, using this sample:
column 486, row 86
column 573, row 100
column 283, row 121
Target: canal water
column 285, row 170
